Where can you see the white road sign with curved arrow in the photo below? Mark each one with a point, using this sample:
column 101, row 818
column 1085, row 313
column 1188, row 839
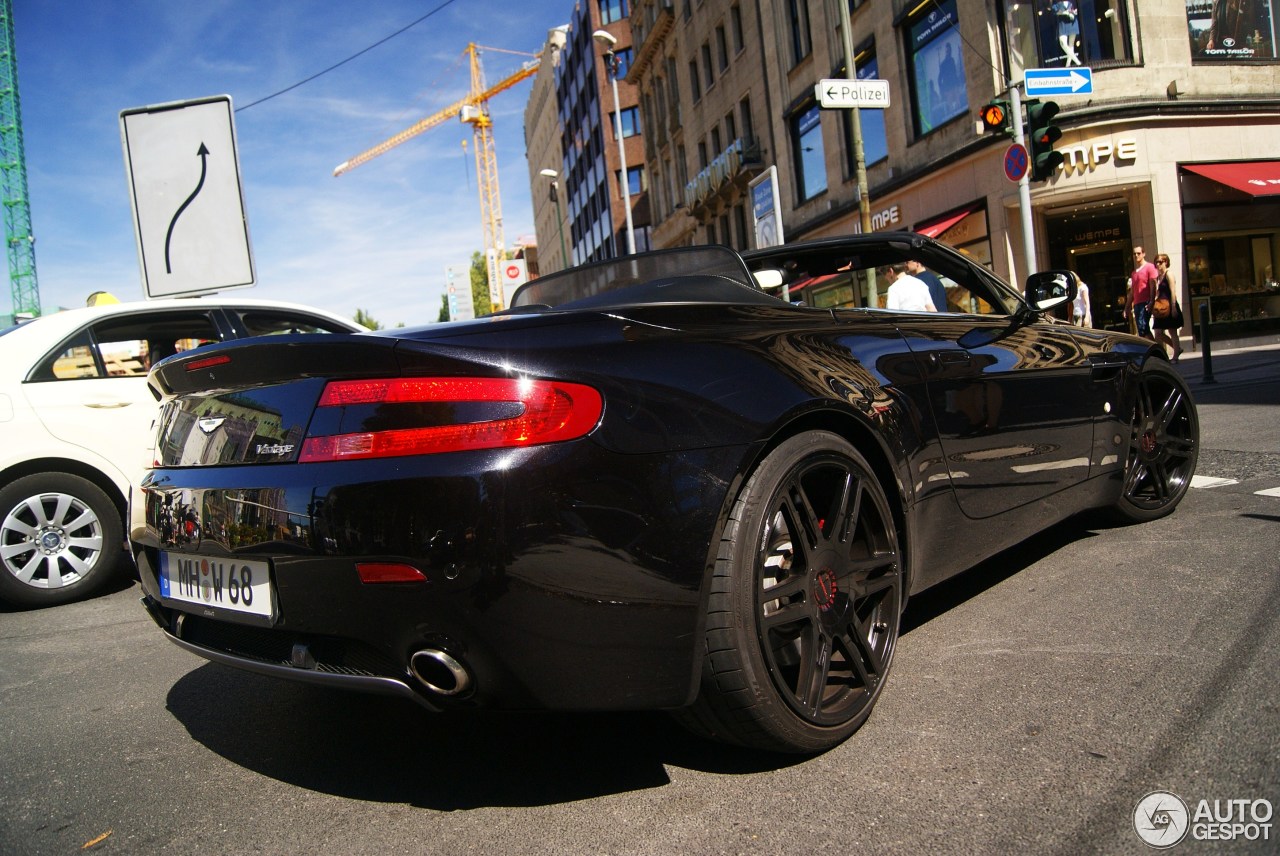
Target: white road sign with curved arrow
column 188, row 207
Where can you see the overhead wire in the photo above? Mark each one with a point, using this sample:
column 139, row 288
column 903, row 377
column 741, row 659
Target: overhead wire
column 359, row 53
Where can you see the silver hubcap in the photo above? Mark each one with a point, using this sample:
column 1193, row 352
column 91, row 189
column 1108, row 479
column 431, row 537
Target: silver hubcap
column 50, row 540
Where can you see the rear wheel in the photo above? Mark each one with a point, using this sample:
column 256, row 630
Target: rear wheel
column 60, row 539
column 1164, row 444
column 805, row 602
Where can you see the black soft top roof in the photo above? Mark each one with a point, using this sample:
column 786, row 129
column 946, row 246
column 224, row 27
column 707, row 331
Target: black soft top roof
column 702, row 274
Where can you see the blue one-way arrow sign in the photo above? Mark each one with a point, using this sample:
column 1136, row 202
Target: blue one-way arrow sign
column 1058, row 81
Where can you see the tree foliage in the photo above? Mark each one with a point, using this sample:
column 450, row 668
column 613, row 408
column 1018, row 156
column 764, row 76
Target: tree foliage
column 364, row 319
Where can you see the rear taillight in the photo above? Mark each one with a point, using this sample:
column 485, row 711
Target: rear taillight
column 549, row 412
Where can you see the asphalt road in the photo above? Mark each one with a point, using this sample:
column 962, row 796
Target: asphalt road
column 1033, row 702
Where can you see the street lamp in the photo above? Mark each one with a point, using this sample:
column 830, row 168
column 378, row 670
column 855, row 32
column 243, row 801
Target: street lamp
column 555, row 197
column 607, row 41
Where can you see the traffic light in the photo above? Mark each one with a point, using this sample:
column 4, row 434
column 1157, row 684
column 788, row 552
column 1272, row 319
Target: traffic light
column 1041, row 136
column 995, row 117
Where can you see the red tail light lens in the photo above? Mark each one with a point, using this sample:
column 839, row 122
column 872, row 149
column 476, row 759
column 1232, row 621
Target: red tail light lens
column 551, row 412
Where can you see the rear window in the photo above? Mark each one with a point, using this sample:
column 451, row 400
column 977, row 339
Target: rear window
column 271, row 322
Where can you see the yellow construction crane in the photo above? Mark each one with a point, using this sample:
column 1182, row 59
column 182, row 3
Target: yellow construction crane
column 474, row 110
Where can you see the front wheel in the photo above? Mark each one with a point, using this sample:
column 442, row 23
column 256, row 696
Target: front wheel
column 60, row 539
column 805, row 602
column 1164, row 445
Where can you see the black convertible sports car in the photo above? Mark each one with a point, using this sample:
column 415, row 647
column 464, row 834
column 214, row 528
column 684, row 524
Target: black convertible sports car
column 649, row 484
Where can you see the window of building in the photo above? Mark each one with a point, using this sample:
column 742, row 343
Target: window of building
column 708, row 74
column 1233, row 32
column 623, row 57
column 748, row 123
column 801, row 38
column 613, row 10
column 717, row 146
column 702, row 155
column 1092, row 32
column 722, row 48
column 937, row 73
column 810, row 162
column 694, row 84
column 636, row 181
column 740, row 226
column 730, row 126
column 673, row 80
column 630, row 121
column 875, row 145
column 735, row 26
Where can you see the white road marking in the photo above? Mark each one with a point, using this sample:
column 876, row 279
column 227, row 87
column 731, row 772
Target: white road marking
column 1210, row 481
column 1271, row 491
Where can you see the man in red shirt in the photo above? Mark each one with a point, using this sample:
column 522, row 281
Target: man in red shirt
column 1142, row 288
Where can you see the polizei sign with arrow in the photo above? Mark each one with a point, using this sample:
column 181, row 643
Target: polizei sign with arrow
column 188, row 206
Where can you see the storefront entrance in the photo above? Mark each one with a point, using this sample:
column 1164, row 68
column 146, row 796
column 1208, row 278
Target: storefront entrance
column 1094, row 242
column 1097, row 266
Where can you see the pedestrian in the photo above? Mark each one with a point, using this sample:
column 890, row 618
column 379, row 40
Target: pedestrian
column 1167, row 327
column 1141, row 293
column 937, row 291
column 1081, row 312
column 905, row 291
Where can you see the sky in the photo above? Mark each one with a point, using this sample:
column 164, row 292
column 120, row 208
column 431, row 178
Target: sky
column 377, row 238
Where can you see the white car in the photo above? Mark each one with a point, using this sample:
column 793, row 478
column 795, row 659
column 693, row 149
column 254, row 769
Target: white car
column 75, row 427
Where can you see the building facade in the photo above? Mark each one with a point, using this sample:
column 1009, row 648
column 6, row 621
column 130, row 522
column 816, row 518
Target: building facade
column 1176, row 148
column 586, row 157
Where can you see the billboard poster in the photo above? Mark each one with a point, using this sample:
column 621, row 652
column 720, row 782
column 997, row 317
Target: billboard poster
column 936, row 63
column 765, row 204
column 1232, row 30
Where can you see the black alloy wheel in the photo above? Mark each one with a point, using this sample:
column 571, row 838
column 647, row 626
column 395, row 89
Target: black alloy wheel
column 805, row 604
column 1164, row 444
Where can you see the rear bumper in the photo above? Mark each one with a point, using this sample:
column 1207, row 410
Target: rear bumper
column 563, row 577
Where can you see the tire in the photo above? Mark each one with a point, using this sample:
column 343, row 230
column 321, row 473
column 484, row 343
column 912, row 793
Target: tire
column 60, row 539
column 801, row 634
column 1164, row 445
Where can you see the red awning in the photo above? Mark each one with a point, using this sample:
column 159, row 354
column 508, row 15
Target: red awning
column 810, row 282
column 934, row 228
column 1256, row 178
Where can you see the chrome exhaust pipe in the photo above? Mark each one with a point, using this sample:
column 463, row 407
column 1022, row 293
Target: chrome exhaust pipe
column 439, row 672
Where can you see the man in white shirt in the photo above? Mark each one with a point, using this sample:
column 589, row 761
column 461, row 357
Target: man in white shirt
column 906, row 291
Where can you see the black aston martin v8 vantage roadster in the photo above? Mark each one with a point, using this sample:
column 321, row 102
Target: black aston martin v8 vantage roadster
column 654, row 482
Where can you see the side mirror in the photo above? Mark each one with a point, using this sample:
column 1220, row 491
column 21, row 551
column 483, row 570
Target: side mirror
column 768, row 278
column 1050, row 288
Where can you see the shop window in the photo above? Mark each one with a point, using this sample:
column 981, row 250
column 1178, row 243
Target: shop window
column 1094, row 33
column 810, row 161
column 1233, row 31
column 875, row 145
column 937, row 73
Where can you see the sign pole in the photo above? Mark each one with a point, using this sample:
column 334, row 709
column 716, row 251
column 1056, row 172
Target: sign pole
column 859, row 154
column 1024, row 186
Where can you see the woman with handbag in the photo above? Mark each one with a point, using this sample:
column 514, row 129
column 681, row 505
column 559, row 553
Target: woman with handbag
column 1166, row 313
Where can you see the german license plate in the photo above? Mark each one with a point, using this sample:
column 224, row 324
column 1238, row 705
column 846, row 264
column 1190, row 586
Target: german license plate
column 224, row 582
